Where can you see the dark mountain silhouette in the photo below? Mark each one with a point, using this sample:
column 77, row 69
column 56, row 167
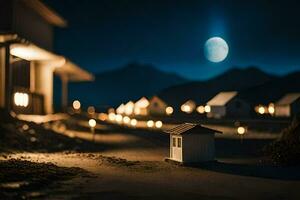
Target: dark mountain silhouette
column 201, row 91
column 272, row 90
column 123, row 84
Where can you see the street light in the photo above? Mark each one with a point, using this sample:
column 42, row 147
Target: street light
column 150, row 123
column 76, row 105
column 133, row 122
column 158, row 124
column 241, row 131
column 92, row 124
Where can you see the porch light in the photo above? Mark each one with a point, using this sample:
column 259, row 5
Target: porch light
column 21, row 99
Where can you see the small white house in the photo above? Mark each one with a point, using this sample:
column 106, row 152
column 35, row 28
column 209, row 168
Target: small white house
column 141, row 106
column 157, row 106
column 288, row 105
column 188, row 106
column 228, row 104
column 192, row 143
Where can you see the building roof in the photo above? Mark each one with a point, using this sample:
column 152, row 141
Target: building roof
column 288, row 99
column 189, row 128
column 45, row 12
column 142, row 103
column 222, row 98
column 73, row 72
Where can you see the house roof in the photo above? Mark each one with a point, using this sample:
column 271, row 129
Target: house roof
column 142, row 103
column 190, row 128
column 222, row 98
column 288, row 99
column 45, row 12
column 74, row 72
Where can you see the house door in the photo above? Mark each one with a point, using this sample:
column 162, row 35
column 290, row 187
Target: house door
column 177, row 148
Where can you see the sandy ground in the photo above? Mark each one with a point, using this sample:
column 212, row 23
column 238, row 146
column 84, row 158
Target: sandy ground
column 141, row 172
column 160, row 180
column 238, row 174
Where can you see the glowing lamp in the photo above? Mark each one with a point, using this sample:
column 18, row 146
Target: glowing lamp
column 207, row 108
column 112, row 116
column 133, row 122
column 241, row 130
column 76, row 105
column 158, row 124
column 201, row 109
column 186, row 108
column 119, row 118
column 91, row 110
column 261, row 110
column 271, row 108
column 150, row 123
column 102, row 116
column 21, row 99
column 92, row 123
column 169, row 110
column 126, row 119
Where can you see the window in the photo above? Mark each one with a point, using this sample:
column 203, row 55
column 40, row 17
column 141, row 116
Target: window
column 174, row 142
column 178, row 142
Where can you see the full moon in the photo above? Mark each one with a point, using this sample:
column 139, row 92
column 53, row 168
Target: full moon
column 216, row 49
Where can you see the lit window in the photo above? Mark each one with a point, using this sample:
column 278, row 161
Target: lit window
column 174, row 142
column 178, row 142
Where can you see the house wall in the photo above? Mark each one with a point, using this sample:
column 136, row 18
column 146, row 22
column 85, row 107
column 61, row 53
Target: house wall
column 198, row 148
column 217, row 112
column 16, row 17
column 282, row 111
column 32, row 26
column 238, row 108
column 2, row 77
column 157, row 107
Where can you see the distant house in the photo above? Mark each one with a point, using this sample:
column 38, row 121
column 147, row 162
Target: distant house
column 128, row 108
column 141, row 106
column 192, row 143
column 157, row 106
column 27, row 61
column 288, row 105
column 188, row 107
column 120, row 109
column 228, row 104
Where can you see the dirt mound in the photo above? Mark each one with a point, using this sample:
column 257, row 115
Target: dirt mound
column 21, row 179
column 16, row 135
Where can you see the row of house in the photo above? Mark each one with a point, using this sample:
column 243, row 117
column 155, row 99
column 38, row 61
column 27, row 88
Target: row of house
column 225, row 104
column 27, row 61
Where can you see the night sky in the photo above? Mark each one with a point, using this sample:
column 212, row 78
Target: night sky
column 170, row 34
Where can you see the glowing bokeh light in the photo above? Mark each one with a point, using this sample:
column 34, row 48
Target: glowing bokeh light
column 201, row 109
column 21, row 99
column 207, row 108
column 76, row 105
column 241, row 130
column 169, row 110
column 158, row 124
column 92, row 123
column 150, row 123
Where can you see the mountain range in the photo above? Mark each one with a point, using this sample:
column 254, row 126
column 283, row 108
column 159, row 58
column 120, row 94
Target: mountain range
column 235, row 79
column 123, row 84
column 135, row 80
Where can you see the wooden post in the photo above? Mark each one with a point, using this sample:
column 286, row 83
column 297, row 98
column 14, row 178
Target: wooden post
column 8, row 80
column 64, row 95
